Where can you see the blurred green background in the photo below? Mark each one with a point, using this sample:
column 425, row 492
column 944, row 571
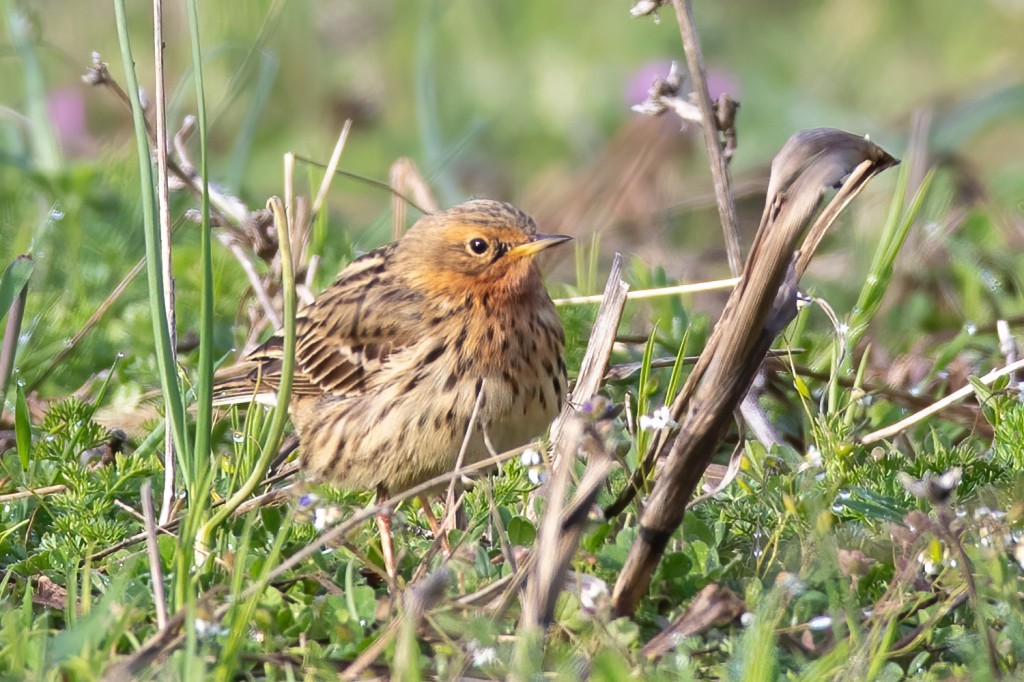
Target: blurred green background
column 527, row 101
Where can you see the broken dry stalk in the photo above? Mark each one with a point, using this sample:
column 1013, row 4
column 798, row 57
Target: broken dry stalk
column 760, row 307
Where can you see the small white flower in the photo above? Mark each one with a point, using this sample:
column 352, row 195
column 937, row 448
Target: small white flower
column 205, row 629
column 812, row 460
column 747, row 619
column 484, row 656
column 325, row 516
column 530, row 457
column 537, row 475
column 593, row 593
column 929, row 566
column 820, row 623
column 659, row 421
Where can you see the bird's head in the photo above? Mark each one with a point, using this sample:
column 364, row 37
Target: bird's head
column 477, row 247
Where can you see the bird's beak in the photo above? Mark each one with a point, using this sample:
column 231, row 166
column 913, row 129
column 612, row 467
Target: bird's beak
column 539, row 243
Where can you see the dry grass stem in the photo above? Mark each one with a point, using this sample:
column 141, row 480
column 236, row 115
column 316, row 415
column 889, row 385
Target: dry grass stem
column 719, row 168
column 153, row 554
column 332, row 167
column 561, row 527
column 1008, row 347
column 164, row 222
column 93, row 320
column 628, row 369
column 599, row 349
column 547, row 564
column 731, row 471
column 449, row 515
column 713, row 285
column 939, row 405
column 406, row 178
column 35, row 492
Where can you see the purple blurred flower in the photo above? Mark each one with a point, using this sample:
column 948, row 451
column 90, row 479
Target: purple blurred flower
column 637, row 85
column 66, row 108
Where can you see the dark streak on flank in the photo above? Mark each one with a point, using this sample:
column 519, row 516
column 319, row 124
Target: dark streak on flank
column 449, row 383
column 435, row 353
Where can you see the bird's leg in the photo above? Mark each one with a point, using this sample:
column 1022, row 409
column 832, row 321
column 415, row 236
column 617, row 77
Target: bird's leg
column 387, row 545
column 435, row 527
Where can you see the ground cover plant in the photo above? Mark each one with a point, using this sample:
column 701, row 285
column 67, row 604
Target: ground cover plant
column 859, row 517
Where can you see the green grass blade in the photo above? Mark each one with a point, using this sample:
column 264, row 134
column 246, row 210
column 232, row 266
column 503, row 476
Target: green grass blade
column 677, row 370
column 284, row 391
column 22, row 428
column 643, row 389
column 45, row 149
column 13, row 280
column 162, row 340
column 240, row 153
column 204, row 383
column 879, row 276
column 13, row 294
column 243, row 614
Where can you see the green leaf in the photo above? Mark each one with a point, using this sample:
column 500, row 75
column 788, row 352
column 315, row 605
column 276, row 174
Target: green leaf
column 865, row 503
column 801, row 387
column 521, row 532
column 22, row 427
column 610, row 664
column 13, row 280
column 983, row 392
column 677, row 369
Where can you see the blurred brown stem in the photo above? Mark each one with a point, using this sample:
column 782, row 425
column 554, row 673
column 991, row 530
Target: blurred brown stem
column 10, row 341
column 719, row 170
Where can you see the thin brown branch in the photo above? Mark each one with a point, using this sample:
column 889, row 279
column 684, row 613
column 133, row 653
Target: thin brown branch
column 719, row 169
column 562, row 524
column 153, row 553
column 34, row 492
column 939, row 405
column 93, row 320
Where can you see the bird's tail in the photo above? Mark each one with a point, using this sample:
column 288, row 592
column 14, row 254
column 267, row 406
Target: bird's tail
column 240, row 385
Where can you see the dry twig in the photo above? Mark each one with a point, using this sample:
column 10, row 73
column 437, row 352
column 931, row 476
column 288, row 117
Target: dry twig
column 939, row 405
column 599, row 349
column 153, row 553
column 714, row 605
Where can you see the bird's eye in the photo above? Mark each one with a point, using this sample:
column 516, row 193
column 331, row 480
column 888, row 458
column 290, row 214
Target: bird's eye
column 478, row 246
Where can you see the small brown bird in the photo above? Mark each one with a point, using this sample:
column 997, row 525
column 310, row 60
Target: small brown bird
column 391, row 358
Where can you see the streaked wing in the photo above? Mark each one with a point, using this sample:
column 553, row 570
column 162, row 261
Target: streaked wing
column 342, row 339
